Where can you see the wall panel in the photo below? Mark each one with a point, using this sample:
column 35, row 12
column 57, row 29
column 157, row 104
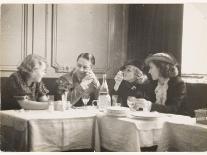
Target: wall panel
column 99, row 29
column 12, row 36
column 77, row 29
column 61, row 32
column 40, row 30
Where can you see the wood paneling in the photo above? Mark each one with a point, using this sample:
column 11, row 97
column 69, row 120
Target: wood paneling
column 40, row 18
column 118, row 38
column 61, row 32
column 77, row 29
column 98, row 29
column 12, row 36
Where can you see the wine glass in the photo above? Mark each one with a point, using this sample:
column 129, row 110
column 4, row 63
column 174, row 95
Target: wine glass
column 131, row 102
column 85, row 99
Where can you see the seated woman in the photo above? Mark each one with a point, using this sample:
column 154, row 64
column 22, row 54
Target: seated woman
column 169, row 90
column 25, row 88
column 80, row 81
column 130, row 81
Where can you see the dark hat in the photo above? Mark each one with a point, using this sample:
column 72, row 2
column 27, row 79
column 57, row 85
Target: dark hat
column 164, row 57
column 137, row 63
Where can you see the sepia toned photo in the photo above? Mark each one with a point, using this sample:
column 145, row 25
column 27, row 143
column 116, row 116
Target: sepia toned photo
column 103, row 77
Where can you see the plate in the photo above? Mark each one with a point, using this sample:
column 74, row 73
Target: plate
column 146, row 115
column 117, row 111
column 117, row 115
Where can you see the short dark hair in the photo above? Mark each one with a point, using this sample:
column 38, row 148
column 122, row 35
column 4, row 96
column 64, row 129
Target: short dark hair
column 88, row 57
column 166, row 70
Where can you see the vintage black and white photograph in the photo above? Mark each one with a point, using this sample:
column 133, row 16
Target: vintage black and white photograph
column 103, row 77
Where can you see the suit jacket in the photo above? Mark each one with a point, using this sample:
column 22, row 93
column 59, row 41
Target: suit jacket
column 176, row 95
column 70, row 82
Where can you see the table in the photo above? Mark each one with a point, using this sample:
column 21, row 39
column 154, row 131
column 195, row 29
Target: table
column 127, row 134
column 81, row 129
column 48, row 131
column 185, row 137
column 170, row 133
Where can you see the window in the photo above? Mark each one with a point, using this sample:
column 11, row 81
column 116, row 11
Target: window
column 194, row 43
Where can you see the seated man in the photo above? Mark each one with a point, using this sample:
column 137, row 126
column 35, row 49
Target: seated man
column 80, row 81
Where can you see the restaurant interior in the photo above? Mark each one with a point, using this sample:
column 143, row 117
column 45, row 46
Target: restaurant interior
column 114, row 34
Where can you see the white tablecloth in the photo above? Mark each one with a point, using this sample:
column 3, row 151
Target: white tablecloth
column 48, row 131
column 184, row 137
column 127, row 133
column 118, row 135
column 81, row 129
column 173, row 132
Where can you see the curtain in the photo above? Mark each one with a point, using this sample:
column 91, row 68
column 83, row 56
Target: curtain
column 155, row 28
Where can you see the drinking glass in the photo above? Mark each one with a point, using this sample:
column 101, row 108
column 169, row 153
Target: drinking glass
column 85, row 99
column 115, row 101
column 131, row 102
column 68, row 105
column 51, row 102
column 50, row 97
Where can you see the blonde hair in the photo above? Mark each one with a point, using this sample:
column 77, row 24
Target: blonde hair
column 31, row 62
column 139, row 74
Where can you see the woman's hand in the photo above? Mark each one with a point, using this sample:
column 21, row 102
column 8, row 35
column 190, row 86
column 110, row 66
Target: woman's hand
column 142, row 79
column 118, row 79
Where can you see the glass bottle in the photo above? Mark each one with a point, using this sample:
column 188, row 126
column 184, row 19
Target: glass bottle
column 64, row 100
column 104, row 97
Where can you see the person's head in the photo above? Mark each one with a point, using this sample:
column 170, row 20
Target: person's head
column 162, row 65
column 85, row 62
column 34, row 67
column 133, row 71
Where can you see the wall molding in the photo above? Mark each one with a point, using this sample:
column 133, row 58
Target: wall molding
column 37, row 32
column 23, row 40
column 46, row 30
column 27, row 34
column 59, row 68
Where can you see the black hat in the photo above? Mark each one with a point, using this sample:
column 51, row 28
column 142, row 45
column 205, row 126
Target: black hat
column 137, row 63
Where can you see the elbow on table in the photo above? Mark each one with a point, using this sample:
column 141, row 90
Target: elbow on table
column 43, row 98
column 33, row 105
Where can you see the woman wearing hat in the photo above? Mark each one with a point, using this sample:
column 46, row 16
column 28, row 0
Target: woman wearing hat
column 169, row 90
column 130, row 81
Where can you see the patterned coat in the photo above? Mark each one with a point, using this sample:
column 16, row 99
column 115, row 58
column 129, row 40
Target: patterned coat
column 17, row 88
